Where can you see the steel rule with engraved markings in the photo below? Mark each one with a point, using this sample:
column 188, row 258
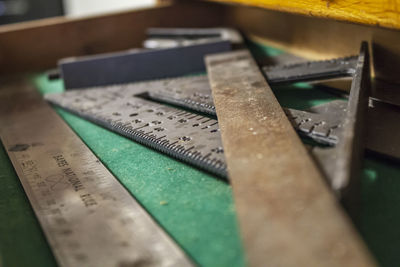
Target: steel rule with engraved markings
column 87, row 216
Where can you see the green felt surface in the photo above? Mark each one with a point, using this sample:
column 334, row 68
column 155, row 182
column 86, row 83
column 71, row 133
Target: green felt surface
column 195, row 208
column 22, row 242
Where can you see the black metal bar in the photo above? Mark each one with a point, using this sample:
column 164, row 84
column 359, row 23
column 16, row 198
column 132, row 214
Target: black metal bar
column 137, row 65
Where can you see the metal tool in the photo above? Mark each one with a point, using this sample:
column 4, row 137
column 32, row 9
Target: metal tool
column 172, row 61
column 198, row 97
column 342, row 162
column 88, row 217
column 280, row 197
column 311, row 70
column 194, row 93
column 174, row 37
column 282, row 72
column 190, row 137
column 330, row 124
column 131, row 110
column 320, row 123
column 137, row 64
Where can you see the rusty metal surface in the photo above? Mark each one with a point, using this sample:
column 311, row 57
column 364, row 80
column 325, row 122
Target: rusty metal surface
column 287, row 214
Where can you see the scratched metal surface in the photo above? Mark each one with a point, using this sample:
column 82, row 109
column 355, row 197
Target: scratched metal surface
column 320, row 123
column 190, row 137
column 280, row 196
column 170, row 130
column 121, row 109
column 84, row 211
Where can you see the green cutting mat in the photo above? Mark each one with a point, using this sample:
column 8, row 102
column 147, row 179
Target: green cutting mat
column 195, row 208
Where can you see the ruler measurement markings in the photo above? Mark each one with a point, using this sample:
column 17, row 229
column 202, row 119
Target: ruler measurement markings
column 32, row 193
column 178, row 117
column 66, row 185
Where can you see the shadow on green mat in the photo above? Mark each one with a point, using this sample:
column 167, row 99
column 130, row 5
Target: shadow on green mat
column 380, row 209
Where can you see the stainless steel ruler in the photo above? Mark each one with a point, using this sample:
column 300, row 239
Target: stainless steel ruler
column 88, row 217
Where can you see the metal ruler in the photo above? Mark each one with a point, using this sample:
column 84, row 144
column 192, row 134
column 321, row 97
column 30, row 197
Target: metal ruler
column 190, row 137
column 281, row 201
column 88, row 217
column 193, row 94
column 197, row 97
column 337, row 124
column 320, row 123
column 126, row 109
column 177, row 132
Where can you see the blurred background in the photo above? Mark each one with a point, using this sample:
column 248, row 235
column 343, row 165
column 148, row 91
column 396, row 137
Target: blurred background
column 12, row 11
